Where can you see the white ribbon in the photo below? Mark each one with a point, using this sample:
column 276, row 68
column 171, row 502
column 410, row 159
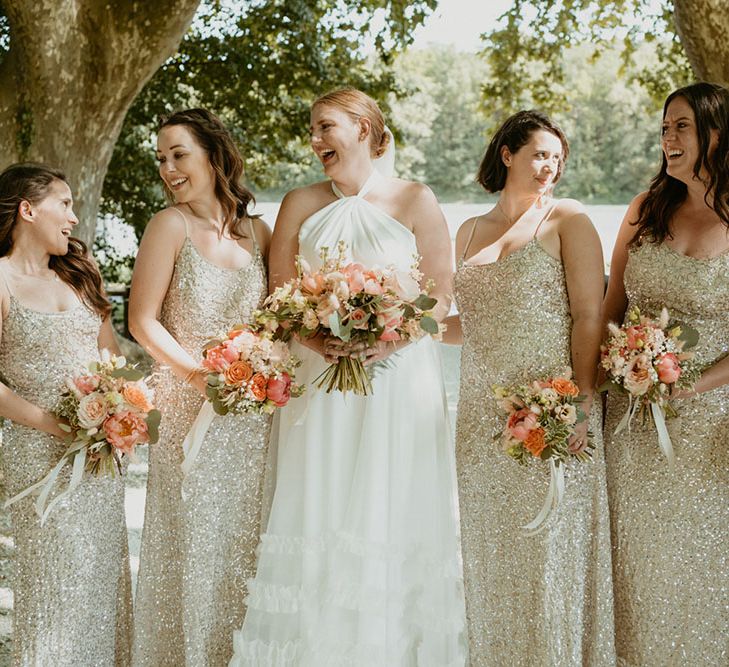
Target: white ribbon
column 552, row 501
column 196, row 436
column 629, row 414
column 664, row 440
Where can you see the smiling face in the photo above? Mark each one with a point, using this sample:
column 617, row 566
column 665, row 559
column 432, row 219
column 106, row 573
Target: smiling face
column 339, row 141
column 534, row 167
column 184, row 165
column 52, row 218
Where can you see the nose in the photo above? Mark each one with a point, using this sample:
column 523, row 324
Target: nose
column 72, row 218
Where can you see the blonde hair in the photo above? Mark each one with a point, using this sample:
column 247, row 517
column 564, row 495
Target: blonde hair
column 358, row 105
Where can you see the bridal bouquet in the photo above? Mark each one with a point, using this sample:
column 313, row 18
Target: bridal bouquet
column 355, row 304
column 249, row 371
column 107, row 412
column 645, row 359
column 540, row 420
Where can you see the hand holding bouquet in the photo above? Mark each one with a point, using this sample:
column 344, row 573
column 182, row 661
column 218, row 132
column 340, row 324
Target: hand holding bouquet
column 645, row 359
column 541, row 420
column 355, row 304
column 107, row 412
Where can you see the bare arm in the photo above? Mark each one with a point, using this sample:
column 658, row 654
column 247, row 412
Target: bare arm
column 153, row 270
column 107, row 337
column 454, row 333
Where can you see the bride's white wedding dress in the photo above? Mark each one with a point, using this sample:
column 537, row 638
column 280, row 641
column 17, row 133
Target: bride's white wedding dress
column 360, row 562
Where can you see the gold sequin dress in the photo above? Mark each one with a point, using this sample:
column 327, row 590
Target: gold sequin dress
column 197, row 553
column 670, row 530
column 72, row 586
column 531, row 600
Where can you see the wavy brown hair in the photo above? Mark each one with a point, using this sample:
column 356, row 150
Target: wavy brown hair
column 710, row 104
column 32, row 182
column 226, row 161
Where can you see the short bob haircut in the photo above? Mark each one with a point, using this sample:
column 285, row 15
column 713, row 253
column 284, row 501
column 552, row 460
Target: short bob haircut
column 514, row 133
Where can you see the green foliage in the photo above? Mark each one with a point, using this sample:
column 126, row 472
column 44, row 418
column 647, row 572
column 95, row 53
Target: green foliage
column 258, row 65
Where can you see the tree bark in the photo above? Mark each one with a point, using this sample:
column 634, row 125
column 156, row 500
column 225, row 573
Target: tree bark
column 73, row 69
column 702, row 27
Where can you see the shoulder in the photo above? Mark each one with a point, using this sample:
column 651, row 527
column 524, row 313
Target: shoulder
column 300, row 203
column 415, row 192
column 568, row 208
column 465, row 229
column 169, row 220
column 263, row 234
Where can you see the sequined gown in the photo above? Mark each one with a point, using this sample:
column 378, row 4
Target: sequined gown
column 670, row 530
column 542, row 599
column 197, row 553
column 72, row 585
column 359, row 564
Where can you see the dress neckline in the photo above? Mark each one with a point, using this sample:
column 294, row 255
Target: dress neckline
column 372, row 180
column 520, row 251
column 253, row 257
column 690, row 258
column 52, row 313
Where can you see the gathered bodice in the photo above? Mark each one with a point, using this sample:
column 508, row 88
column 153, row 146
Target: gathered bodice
column 373, row 237
column 695, row 291
column 204, row 299
column 40, row 350
column 515, row 317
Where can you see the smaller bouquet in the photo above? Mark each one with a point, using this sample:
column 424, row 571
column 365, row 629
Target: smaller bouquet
column 645, row 359
column 107, row 412
column 249, row 371
column 541, row 419
column 354, row 303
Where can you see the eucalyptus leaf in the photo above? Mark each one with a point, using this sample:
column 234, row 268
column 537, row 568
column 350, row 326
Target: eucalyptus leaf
column 128, row 373
column 335, row 324
column 425, row 302
column 689, row 336
column 429, row 325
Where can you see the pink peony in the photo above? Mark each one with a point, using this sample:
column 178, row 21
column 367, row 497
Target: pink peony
column 521, row 423
column 125, row 430
column 636, row 337
column 279, row 389
column 215, row 360
column 92, row 410
column 669, row 370
column 87, row 383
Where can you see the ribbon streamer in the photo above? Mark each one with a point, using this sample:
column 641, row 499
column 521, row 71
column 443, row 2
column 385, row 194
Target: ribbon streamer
column 664, row 440
column 196, row 436
column 552, row 501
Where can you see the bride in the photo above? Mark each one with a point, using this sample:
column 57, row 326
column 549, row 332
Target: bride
column 360, row 563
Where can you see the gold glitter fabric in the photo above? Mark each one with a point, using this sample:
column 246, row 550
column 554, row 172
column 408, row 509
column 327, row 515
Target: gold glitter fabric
column 671, row 566
column 197, row 553
column 72, row 585
column 531, row 600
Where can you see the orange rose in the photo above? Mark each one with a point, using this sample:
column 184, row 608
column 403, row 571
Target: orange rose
column 137, row 397
column 238, row 373
column 565, row 387
column 535, row 441
column 258, row 387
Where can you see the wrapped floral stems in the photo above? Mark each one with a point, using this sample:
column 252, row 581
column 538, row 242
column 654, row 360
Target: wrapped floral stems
column 356, row 304
column 541, row 420
column 106, row 413
column 645, row 359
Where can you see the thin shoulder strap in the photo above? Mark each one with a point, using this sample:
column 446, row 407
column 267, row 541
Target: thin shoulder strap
column 253, row 235
column 6, row 282
column 545, row 218
column 470, row 238
column 184, row 219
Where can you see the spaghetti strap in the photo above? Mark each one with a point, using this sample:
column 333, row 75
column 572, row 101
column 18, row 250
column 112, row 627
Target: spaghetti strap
column 470, row 238
column 184, row 219
column 6, row 282
column 544, row 219
column 253, row 235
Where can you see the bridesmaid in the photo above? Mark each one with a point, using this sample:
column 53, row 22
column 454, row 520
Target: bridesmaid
column 669, row 530
column 72, row 585
column 200, row 269
column 529, row 288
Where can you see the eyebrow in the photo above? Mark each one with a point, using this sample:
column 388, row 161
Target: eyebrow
column 171, row 148
column 677, row 119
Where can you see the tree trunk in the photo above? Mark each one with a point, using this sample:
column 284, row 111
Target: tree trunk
column 73, row 69
column 703, row 26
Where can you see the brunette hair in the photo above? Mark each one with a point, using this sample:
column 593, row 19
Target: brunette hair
column 710, row 104
column 31, row 182
column 225, row 158
column 515, row 133
column 358, row 105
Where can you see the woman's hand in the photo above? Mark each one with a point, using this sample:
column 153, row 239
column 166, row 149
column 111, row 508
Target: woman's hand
column 580, row 440
column 335, row 349
column 199, row 380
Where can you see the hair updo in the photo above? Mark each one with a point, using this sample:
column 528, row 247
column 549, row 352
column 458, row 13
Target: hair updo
column 358, row 105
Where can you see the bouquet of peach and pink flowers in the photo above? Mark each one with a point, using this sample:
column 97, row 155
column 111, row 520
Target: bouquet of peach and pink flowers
column 645, row 359
column 540, row 420
column 107, row 412
column 354, row 303
column 249, row 371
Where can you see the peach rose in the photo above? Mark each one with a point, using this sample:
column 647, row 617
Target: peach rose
column 535, row 441
column 565, row 387
column 238, row 373
column 257, row 386
column 403, row 284
column 313, row 283
column 138, row 396
column 669, row 370
column 279, row 389
column 359, row 318
column 372, row 286
column 125, row 430
column 521, row 423
column 389, row 335
column 87, row 383
column 637, row 380
column 92, row 410
column 215, row 360
column 355, row 277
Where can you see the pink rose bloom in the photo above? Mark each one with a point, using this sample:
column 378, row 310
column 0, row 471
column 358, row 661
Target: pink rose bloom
column 403, row 284
column 389, row 335
column 313, row 283
column 358, row 318
column 373, row 287
column 635, row 336
column 230, row 352
column 92, row 410
column 125, row 430
column 279, row 389
column 87, row 383
column 637, row 380
column 668, row 368
column 521, row 423
column 355, row 277
column 215, row 360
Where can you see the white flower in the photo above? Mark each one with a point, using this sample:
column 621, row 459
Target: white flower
column 549, row 396
column 92, row 410
column 566, row 413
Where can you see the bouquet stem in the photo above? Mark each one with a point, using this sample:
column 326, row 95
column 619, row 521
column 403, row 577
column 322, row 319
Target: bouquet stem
column 348, row 374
